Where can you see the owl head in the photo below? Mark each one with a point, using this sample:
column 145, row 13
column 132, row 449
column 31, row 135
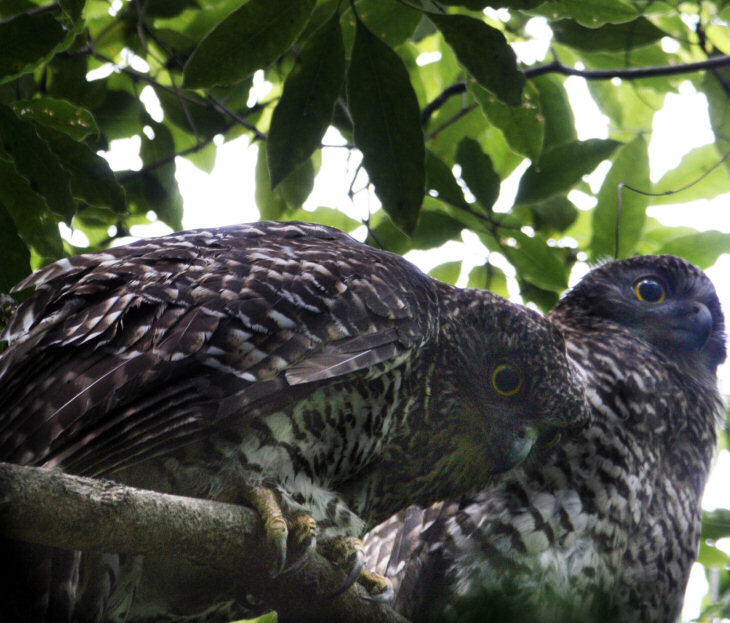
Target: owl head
column 662, row 299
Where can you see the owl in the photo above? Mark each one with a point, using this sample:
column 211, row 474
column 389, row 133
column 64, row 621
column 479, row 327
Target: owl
column 604, row 526
column 281, row 365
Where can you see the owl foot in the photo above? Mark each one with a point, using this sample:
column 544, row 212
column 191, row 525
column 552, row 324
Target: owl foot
column 284, row 535
column 348, row 553
column 379, row 587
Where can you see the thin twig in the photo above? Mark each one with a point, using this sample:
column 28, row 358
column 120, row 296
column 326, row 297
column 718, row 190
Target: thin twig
column 126, row 176
column 626, row 73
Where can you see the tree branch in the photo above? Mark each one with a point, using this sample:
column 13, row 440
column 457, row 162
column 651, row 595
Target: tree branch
column 126, row 176
column 59, row 510
column 628, row 73
column 556, row 67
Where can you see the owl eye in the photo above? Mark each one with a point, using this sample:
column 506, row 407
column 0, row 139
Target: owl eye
column 649, row 290
column 506, row 379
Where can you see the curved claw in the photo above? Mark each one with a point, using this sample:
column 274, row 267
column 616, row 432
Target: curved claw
column 355, row 567
column 276, row 538
column 299, row 563
column 386, row 596
column 303, row 537
column 265, row 502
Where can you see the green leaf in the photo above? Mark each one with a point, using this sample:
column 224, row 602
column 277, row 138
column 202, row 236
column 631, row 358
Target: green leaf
column 702, row 248
column 478, row 5
column 694, row 178
column 560, row 168
column 35, row 160
column 382, row 234
column 391, row 22
column 448, row 272
column 167, row 8
column 16, row 257
column 325, row 216
column 182, row 109
column 629, row 108
column 60, row 115
column 591, row 13
column 440, row 179
column 716, row 524
column 33, row 221
column 434, row 229
column 656, row 235
column 387, row 128
column 478, row 173
column 522, row 127
column 9, row 8
column 27, row 41
column 305, row 108
column 554, row 214
column 488, row 277
column 203, row 155
column 631, row 167
column 544, row 299
column 485, row 54
column 91, row 178
column 250, row 38
column 66, row 80
column 119, row 115
column 719, row 111
column 537, row 263
column 608, row 38
column 556, row 110
column 298, row 185
column 711, row 556
column 270, row 203
column 451, row 122
column 155, row 187
column 73, row 10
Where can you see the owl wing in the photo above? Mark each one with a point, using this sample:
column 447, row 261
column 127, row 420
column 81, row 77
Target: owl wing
column 406, row 550
column 141, row 347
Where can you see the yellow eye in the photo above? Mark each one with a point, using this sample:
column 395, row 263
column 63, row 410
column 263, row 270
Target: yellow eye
column 649, row 290
column 506, row 379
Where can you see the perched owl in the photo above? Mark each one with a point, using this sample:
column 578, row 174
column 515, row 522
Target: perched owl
column 283, row 365
column 604, row 526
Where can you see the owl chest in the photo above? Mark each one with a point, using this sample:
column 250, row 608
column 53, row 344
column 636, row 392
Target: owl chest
column 596, row 519
column 330, row 436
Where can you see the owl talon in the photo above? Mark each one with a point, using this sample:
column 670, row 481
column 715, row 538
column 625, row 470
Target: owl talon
column 348, row 553
column 302, row 531
column 265, row 502
column 355, row 567
column 299, row 563
column 302, row 539
column 276, row 532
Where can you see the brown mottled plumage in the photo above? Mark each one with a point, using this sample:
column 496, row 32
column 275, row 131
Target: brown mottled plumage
column 278, row 355
column 605, row 525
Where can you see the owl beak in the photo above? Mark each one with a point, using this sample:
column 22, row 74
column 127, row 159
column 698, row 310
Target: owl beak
column 512, row 447
column 691, row 325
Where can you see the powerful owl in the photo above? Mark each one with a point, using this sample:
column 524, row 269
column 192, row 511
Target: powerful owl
column 604, row 526
column 283, row 365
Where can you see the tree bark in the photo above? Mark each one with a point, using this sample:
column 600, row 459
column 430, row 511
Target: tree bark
column 51, row 508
